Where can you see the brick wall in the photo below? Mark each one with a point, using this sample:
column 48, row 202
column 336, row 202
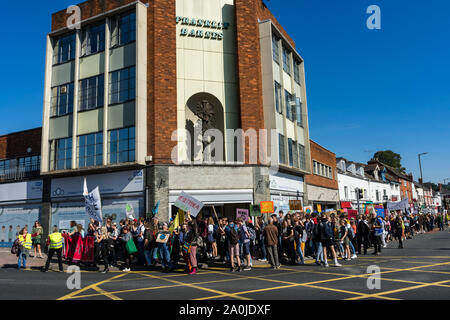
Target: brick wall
column 15, row 145
column 89, row 9
column 325, row 157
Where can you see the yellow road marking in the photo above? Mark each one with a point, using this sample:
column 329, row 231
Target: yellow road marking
column 108, row 294
column 345, row 291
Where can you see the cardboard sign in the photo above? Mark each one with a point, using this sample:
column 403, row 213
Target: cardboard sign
column 187, row 203
column 308, row 209
column 319, row 208
column 295, row 205
column 255, row 211
column 352, row 213
column 242, row 214
column 267, row 207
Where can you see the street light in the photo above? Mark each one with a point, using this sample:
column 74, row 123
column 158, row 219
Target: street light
column 420, row 165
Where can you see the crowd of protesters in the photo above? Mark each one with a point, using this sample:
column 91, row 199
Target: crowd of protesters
column 278, row 239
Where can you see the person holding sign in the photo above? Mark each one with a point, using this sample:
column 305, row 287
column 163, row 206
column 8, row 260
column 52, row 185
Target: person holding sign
column 192, row 239
column 162, row 239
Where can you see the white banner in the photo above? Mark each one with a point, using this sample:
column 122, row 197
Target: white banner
column 188, row 203
column 93, row 203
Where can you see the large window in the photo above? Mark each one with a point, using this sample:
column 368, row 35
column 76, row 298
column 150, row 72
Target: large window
column 281, row 149
column 302, row 156
column 276, row 49
column 298, row 111
column 91, row 93
column 93, row 40
column 296, row 71
column 62, row 100
column 286, row 60
column 288, row 99
column 278, row 98
column 5, row 166
column 295, row 154
column 122, row 145
column 90, row 150
column 30, row 164
column 61, row 154
column 64, row 49
column 291, row 153
column 122, row 85
column 123, row 29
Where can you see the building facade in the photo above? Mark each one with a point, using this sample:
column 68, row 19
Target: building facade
column 322, row 184
column 151, row 100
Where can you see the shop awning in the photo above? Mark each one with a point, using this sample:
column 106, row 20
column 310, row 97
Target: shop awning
column 346, row 205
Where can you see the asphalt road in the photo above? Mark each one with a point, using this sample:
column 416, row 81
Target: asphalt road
column 419, row 271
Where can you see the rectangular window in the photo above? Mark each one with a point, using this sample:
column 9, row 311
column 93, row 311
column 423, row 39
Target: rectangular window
column 64, row 49
column 30, row 164
column 346, row 192
column 122, row 85
column 291, row 154
column 314, row 167
column 122, row 145
column 295, row 154
column 278, row 98
column 91, row 93
column 123, row 29
column 93, row 40
column 61, row 154
column 281, row 149
column 276, row 49
column 62, row 100
column 302, row 156
column 5, row 166
column 286, row 60
column 296, row 71
column 298, row 111
column 287, row 101
column 90, row 150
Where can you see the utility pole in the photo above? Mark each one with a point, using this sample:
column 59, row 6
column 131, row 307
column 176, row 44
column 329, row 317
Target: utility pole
column 420, row 165
column 357, row 198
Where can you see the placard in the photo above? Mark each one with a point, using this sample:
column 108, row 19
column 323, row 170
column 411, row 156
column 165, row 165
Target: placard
column 189, row 204
column 267, row 207
column 295, row 205
column 242, row 214
column 255, row 211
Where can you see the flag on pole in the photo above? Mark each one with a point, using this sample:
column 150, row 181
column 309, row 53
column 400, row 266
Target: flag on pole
column 179, row 220
column 130, row 212
column 93, row 203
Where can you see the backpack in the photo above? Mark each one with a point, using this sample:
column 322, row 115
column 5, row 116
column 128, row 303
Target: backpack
column 350, row 233
column 15, row 247
column 234, row 237
column 252, row 234
column 316, row 232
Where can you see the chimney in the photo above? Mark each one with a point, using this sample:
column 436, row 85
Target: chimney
column 420, row 181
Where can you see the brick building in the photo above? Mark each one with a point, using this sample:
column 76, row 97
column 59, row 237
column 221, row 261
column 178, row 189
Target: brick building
column 21, row 188
column 130, row 94
column 322, row 184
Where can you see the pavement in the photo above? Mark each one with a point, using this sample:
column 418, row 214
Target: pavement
column 419, row 271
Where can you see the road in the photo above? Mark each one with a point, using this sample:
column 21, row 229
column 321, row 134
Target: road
column 419, row 271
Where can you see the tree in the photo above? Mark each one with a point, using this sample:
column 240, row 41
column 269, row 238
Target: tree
column 391, row 159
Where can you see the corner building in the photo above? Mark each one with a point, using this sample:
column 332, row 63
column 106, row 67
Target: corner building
column 129, row 95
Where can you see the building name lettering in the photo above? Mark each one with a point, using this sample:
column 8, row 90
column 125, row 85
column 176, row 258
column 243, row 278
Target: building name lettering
column 196, row 33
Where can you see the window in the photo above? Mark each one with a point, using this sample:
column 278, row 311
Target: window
column 122, row 145
column 30, row 164
column 286, row 60
column 365, row 194
column 64, row 49
column 302, row 156
column 377, row 195
column 93, row 40
column 298, row 111
column 281, row 150
column 346, row 192
column 90, row 150
column 314, row 167
column 295, row 154
column 5, row 166
column 123, row 29
column 91, row 93
column 276, row 49
column 291, row 155
column 296, row 71
column 122, row 85
column 278, row 98
column 62, row 100
column 288, row 99
column 61, row 154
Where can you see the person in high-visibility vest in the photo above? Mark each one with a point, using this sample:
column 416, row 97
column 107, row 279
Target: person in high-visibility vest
column 55, row 246
column 24, row 247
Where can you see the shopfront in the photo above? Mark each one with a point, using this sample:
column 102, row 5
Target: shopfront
column 20, row 206
column 121, row 192
column 285, row 187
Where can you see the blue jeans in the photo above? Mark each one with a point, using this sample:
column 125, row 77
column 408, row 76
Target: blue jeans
column 23, row 259
column 352, row 248
column 263, row 248
column 165, row 255
column 300, row 252
column 149, row 256
column 319, row 251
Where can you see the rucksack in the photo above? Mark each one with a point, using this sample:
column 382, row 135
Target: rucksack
column 350, row 233
column 316, row 232
column 15, row 247
column 252, row 234
column 234, row 237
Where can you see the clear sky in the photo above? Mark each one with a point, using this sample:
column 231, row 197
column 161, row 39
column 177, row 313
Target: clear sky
column 367, row 90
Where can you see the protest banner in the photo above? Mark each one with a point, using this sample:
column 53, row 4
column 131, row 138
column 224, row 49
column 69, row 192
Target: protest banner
column 295, row 205
column 319, row 208
column 188, row 203
column 242, row 214
column 93, row 203
column 308, row 209
column 267, row 207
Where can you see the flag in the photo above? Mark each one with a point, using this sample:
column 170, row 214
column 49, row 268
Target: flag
column 130, row 212
column 93, row 203
column 156, row 209
column 179, row 220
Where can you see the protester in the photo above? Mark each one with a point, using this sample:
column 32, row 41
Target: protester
column 55, row 247
column 233, row 245
column 162, row 239
column 24, row 248
column 36, row 234
column 271, row 242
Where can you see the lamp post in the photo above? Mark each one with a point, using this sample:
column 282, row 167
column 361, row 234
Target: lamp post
column 420, row 165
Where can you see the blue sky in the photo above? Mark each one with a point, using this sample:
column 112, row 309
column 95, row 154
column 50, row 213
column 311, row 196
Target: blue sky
column 367, row 89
